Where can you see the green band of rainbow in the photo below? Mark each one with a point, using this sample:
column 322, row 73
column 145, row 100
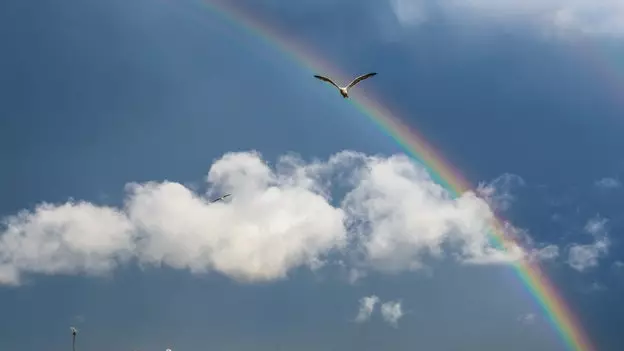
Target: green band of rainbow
column 550, row 301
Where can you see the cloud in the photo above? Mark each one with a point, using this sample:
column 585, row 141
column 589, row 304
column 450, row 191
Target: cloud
column 552, row 16
column 596, row 227
column 499, row 192
column 401, row 216
column 71, row 238
column 409, row 12
column 546, row 253
column 391, row 312
column 367, row 306
column 583, row 257
column 392, row 218
column 596, row 287
column 528, row 318
column 608, row 183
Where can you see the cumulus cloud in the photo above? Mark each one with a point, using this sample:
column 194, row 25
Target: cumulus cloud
column 392, row 218
column 402, row 216
column 71, row 238
column 553, row 16
column 367, row 306
column 582, row 257
column 391, row 312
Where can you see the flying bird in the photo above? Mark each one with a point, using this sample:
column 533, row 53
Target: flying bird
column 220, row 198
column 344, row 90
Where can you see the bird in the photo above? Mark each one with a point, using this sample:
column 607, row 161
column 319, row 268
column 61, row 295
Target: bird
column 344, row 90
column 220, row 198
column 74, row 331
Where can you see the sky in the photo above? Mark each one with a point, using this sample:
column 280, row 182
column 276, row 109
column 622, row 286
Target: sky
column 120, row 120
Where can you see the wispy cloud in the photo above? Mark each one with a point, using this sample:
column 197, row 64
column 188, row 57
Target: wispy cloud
column 391, row 311
column 392, row 216
column 367, row 306
column 413, row 12
column 551, row 16
column 608, row 183
column 582, row 257
column 527, row 319
column 546, row 253
column 594, row 287
column 500, row 192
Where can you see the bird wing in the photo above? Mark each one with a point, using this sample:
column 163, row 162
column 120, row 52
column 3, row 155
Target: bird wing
column 220, row 198
column 358, row 79
column 327, row 80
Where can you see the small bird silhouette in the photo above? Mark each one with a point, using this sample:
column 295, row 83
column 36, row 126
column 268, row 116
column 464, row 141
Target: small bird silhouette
column 220, row 198
column 344, row 91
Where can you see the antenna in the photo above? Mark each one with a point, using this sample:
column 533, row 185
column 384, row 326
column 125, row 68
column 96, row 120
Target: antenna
column 74, row 331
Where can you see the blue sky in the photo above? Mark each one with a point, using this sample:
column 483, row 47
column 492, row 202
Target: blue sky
column 124, row 116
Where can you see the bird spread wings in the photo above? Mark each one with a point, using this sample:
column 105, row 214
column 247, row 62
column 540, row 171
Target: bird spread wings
column 221, row 198
column 327, row 80
column 358, row 79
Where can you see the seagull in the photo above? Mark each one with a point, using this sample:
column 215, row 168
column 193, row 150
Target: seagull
column 344, row 90
column 220, row 198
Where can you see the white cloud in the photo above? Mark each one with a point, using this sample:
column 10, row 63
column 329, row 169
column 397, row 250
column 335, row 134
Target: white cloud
column 71, row 238
column 596, row 227
column 552, row 16
column 583, row 257
column 391, row 312
column 367, row 306
column 534, row 251
column 393, row 217
column 401, row 216
column 528, row 318
column 546, row 253
column 608, row 183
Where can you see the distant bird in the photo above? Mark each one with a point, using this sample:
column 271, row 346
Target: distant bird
column 220, row 198
column 344, row 90
column 74, row 331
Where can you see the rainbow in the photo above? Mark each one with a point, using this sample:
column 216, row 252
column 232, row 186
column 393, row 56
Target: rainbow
column 551, row 303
